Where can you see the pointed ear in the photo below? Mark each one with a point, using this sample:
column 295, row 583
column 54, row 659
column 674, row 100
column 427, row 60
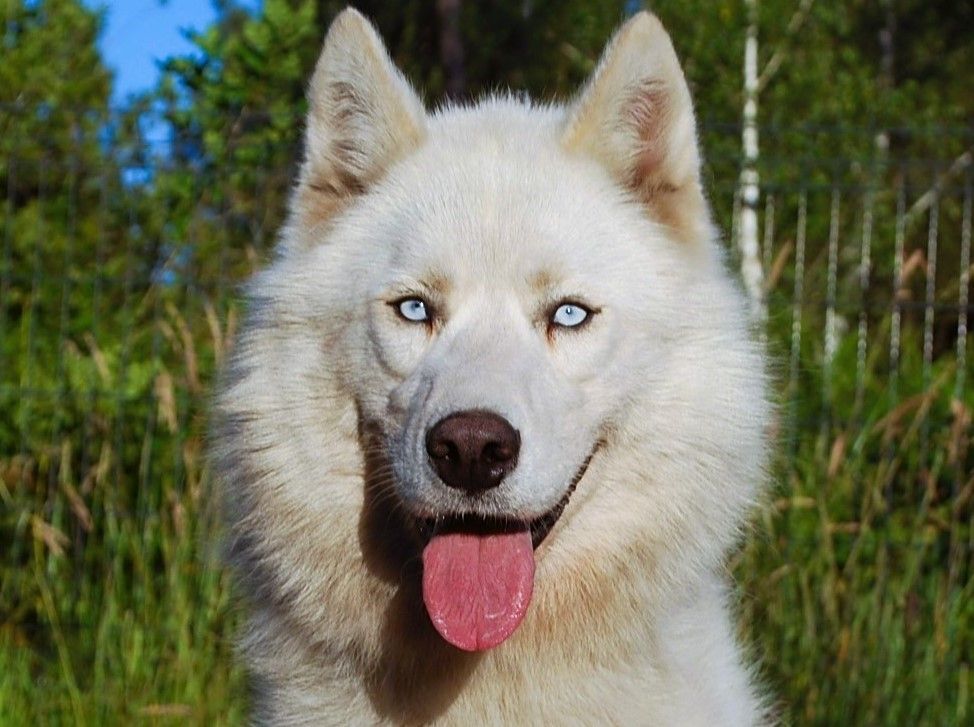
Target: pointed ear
column 635, row 117
column 362, row 116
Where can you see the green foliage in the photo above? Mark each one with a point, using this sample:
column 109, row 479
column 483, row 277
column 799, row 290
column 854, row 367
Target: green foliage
column 53, row 86
column 118, row 261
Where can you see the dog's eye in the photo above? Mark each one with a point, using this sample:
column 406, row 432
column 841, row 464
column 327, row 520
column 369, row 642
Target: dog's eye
column 569, row 315
column 413, row 309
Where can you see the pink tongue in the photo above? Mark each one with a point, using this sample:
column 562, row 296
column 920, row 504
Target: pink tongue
column 477, row 587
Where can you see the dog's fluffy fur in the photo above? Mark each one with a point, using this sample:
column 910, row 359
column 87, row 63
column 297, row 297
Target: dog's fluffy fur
column 655, row 410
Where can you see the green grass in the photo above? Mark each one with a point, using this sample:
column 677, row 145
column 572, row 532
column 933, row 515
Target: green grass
column 862, row 612
column 113, row 606
column 138, row 630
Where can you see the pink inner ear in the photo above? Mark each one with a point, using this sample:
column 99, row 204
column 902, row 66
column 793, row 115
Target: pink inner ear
column 648, row 110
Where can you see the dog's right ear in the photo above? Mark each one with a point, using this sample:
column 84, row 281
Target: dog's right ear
column 362, row 116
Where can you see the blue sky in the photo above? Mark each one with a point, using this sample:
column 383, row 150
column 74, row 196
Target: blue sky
column 138, row 33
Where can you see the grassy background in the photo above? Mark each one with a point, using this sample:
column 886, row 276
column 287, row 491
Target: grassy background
column 856, row 582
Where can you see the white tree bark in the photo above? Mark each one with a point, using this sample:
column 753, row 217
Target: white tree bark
column 749, row 184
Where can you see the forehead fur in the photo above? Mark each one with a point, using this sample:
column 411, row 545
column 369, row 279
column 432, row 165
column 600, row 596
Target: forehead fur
column 493, row 182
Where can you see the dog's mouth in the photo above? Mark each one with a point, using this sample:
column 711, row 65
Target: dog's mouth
column 539, row 527
column 478, row 572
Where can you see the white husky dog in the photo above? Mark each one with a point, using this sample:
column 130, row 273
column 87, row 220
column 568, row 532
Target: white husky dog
column 495, row 419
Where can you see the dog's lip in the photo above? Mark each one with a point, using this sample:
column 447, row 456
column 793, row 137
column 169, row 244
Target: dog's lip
column 540, row 526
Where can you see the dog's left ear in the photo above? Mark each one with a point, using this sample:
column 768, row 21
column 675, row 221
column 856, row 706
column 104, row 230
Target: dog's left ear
column 635, row 116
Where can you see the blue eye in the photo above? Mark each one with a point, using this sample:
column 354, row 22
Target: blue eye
column 413, row 309
column 569, row 315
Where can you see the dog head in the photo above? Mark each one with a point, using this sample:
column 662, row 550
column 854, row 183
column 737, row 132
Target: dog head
column 511, row 293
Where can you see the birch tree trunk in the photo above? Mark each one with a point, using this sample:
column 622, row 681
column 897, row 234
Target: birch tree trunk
column 749, row 189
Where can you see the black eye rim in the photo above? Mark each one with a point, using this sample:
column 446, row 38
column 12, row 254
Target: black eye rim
column 430, row 310
column 431, row 313
column 590, row 313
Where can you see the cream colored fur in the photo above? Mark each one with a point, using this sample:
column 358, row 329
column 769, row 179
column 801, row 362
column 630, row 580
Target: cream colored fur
column 493, row 212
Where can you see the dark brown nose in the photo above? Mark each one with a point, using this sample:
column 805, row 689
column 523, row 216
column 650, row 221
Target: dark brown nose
column 473, row 450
